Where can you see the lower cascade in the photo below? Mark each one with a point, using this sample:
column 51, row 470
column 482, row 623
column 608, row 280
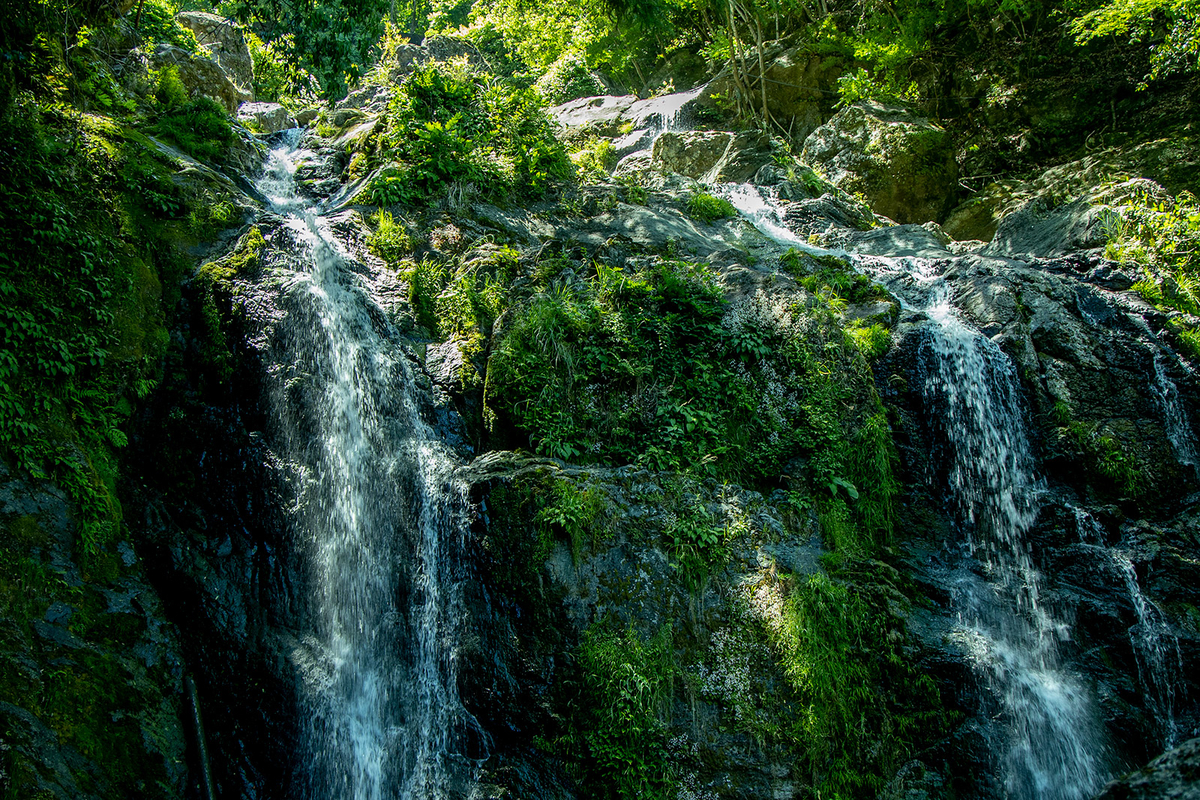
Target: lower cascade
column 1050, row 742
column 379, row 512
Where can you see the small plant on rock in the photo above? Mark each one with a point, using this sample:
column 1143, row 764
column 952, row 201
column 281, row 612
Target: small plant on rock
column 708, row 209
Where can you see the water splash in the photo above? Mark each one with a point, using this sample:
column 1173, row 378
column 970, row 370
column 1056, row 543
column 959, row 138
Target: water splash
column 380, row 514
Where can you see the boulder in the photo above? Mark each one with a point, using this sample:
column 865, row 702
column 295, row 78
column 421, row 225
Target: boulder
column 445, row 48
column 801, row 90
column 745, row 156
column 405, row 60
column 712, row 156
column 902, row 163
column 226, row 44
column 603, row 114
column 265, row 118
column 1172, row 163
column 200, row 75
column 691, row 153
column 1039, row 228
column 1175, row 775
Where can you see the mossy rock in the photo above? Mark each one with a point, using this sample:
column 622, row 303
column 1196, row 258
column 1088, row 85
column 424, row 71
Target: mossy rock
column 901, row 163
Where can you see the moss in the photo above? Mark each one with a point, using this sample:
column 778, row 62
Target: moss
column 243, row 261
column 867, row 709
column 617, row 746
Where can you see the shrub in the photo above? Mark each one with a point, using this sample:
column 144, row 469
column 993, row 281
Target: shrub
column 446, row 125
column 595, row 159
column 706, row 208
column 567, row 79
column 197, row 126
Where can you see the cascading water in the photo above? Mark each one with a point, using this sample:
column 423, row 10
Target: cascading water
column 1155, row 647
column 1179, row 431
column 1053, row 744
column 1156, row 650
column 1052, row 747
column 662, row 114
column 379, row 513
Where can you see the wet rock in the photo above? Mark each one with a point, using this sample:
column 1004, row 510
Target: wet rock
column 306, row 116
column 922, row 241
column 1173, row 163
column 226, row 44
column 1175, row 775
column 265, row 118
column 901, row 162
column 602, row 114
column 99, row 645
column 746, row 154
column 1041, row 229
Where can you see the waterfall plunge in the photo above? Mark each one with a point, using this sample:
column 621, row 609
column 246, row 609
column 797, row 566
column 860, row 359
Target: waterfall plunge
column 379, row 513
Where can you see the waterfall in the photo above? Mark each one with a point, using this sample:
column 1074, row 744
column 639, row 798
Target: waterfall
column 380, row 515
column 1052, row 740
column 662, row 114
column 1051, row 744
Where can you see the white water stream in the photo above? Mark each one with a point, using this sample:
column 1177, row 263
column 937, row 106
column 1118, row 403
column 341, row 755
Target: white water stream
column 1052, row 744
column 1179, row 430
column 379, row 512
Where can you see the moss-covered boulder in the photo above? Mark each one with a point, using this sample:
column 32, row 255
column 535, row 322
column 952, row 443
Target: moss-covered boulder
column 201, row 76
column 902, row 163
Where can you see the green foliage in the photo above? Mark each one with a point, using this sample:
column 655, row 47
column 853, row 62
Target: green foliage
column 568, row 78
column 158, row 25
column 277, row 77
column 391, row 240
column 333, row 40
column 618, row 739
column 871, row 340
column 88, row 216
column 197, row 126
column 595, row 159
column 708, row 209
column 1177, row 52
column 572, row 512
column 646, row 367
column 864, row 705
column 635, row 193
column 697, row 542
column 568, row 38
column 1109, row 463
column 1159, row 236
column 447, row 125
column 860, row 85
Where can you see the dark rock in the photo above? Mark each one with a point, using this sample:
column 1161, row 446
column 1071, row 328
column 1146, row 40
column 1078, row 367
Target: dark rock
column 1175, row 775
